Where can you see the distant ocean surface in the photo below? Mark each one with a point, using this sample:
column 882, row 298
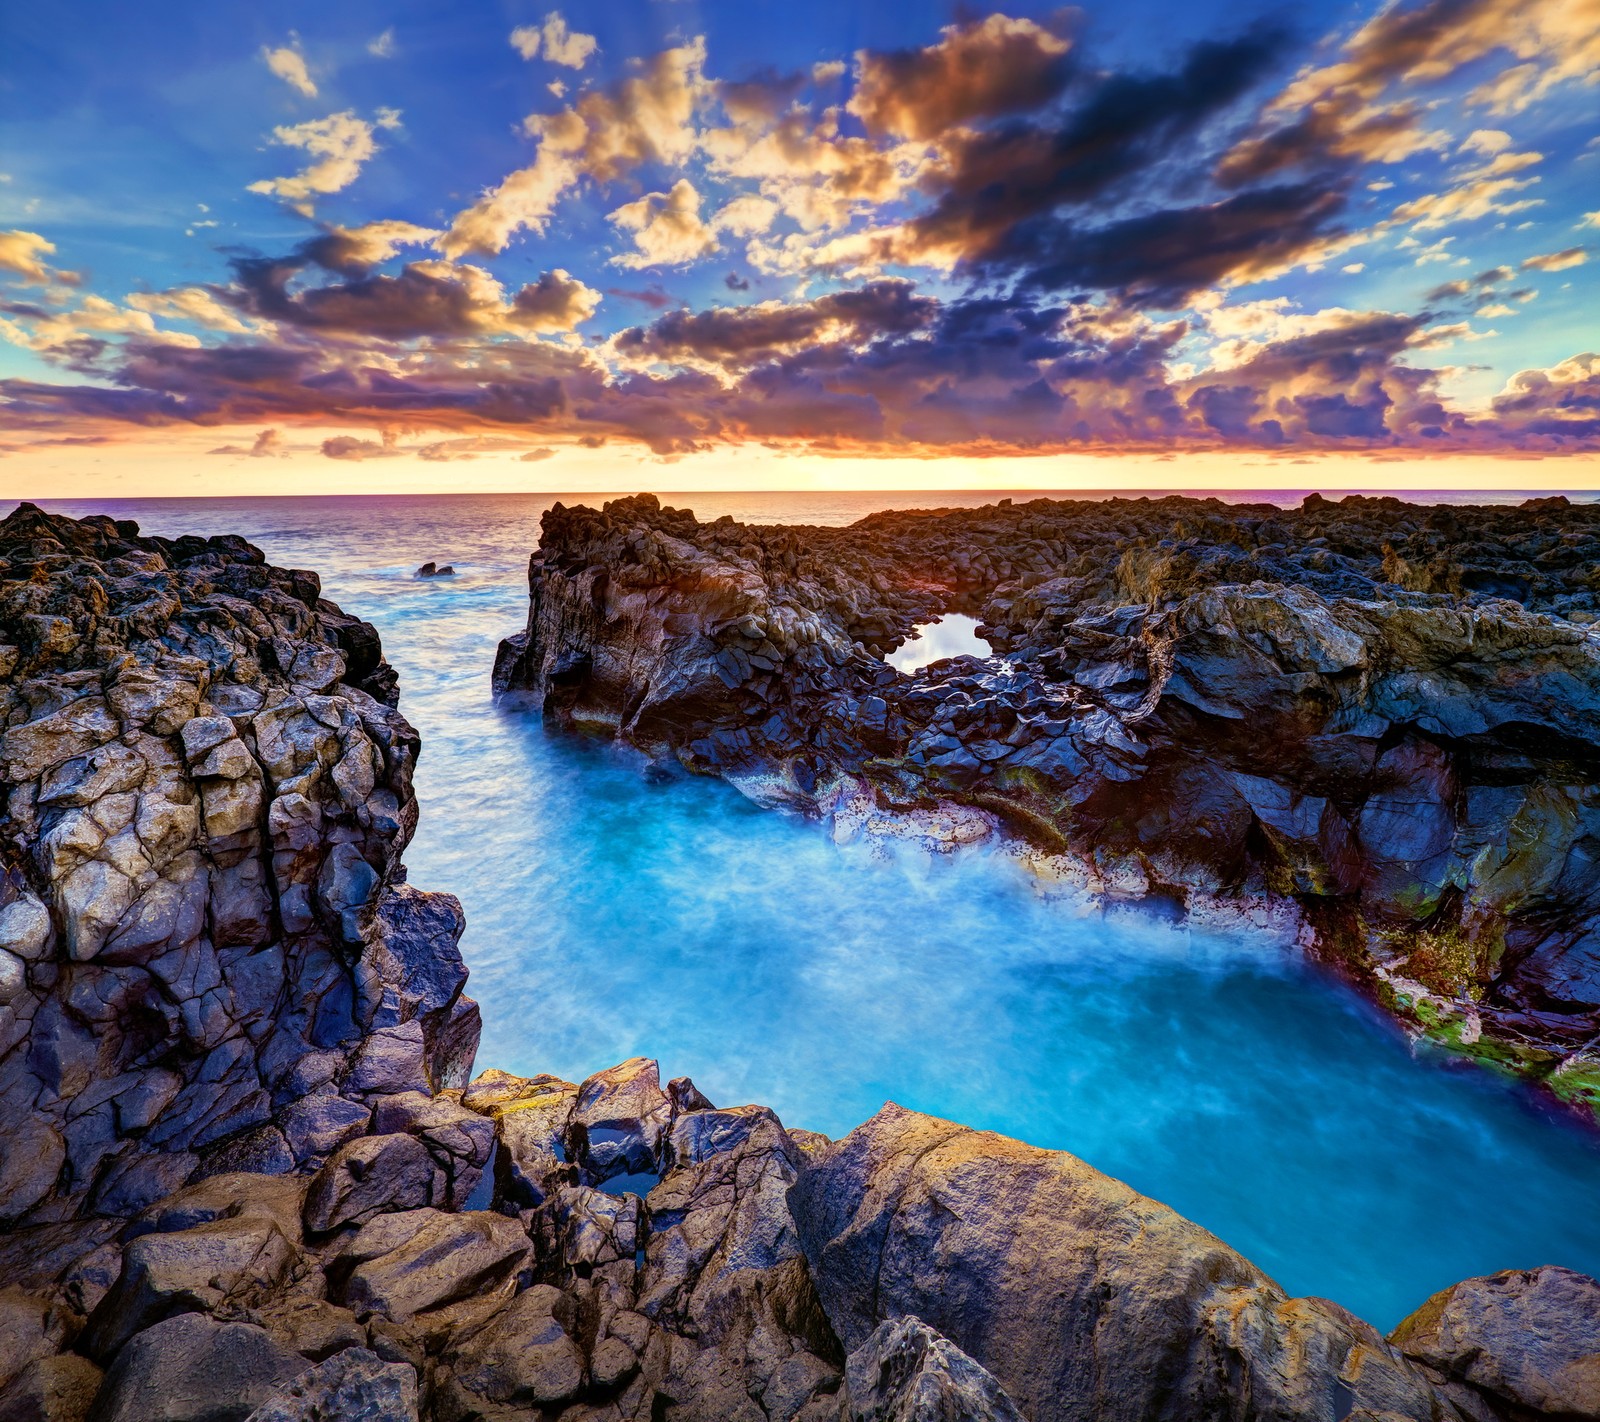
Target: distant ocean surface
column 609, row 917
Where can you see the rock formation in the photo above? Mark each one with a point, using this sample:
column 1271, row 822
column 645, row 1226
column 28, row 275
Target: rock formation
column 249, row 1179
column 1370, row 721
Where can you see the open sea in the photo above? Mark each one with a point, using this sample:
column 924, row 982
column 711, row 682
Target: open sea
column 608, row 916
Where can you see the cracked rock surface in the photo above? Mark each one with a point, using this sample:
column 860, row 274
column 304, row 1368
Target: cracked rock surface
column 1366, row 724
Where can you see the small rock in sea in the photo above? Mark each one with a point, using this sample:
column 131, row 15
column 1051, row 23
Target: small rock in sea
column 436, row 570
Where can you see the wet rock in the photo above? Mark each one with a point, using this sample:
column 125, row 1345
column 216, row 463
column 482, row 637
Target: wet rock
column 1526, row 1339
column 353, row 1386
column 619, row 1120
column 194, row 1369
column 905, row 1372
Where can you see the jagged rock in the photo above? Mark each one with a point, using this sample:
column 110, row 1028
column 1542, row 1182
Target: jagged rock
column 373, row 1175
column 906, row 1372
column 530, row 1117
column 1374, row 719
column 619, row 1119
column 353, row 1386
column 526, row 1355
column 1526, row 1339
column 222, row 1261
column 1082, row 1298
column 447, row 1259
column 207, row 790
column 194, row 1369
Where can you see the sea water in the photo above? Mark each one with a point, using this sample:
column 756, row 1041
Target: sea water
column 609, row 915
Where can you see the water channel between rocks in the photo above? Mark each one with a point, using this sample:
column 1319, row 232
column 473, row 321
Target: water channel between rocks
column 608, row 917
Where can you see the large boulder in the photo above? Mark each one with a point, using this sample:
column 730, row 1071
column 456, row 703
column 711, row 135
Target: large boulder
column 1528, row 1340
column 1084, row 1299
column 194, row 1369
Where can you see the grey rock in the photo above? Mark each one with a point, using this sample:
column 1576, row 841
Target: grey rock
column 1084, row 1299
column 906, row 1372
column 194, row 1369
column 372, row 1175
column 1525, row 1338
column 353, row 1386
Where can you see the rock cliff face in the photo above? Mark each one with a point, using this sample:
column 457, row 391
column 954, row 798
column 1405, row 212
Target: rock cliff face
column 208, row 959
column 249, row 1179
column 1377, row 717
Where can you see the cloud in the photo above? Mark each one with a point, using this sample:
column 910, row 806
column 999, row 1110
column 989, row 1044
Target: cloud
column 426, row 299
column 646, row 117
column 739, row 336
column 979, row 69
column 289, row 65
column 355, row 249
column 1487, row 141
column 382, row 46
column 1478, row 193
column 340, row 144
column 349, row 447
column 745, row 216
column 194, row 304
column 22, row 254
column 656, row 297
column 268, row 444
column 666, row 227
column 558, row 44
column 1556, row 261
column 566, row 47
column 533, row 456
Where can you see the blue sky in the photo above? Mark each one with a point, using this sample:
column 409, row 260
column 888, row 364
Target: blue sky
column 504, row 228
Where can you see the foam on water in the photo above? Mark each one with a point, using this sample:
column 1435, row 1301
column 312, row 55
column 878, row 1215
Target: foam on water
column 609, row 916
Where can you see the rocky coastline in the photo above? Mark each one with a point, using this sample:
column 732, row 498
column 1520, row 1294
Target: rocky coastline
column 1365, row 724
column 249, row 1172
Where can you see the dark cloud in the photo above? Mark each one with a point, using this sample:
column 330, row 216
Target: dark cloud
column 1028, row 198
column 979, row 69
column 655, row 296
column 747, row 335
column 734, row 282
column 423, row 299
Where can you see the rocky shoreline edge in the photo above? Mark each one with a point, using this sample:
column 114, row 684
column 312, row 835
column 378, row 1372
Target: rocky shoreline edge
column 1366, row 726
column 248, row 1172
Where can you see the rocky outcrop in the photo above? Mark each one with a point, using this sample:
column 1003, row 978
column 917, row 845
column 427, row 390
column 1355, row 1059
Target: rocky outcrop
column 208, row 957
column 302, row 1208
column 915, row 1271
column 1370, row 724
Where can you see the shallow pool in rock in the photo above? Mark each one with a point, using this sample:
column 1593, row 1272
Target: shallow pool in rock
column 609, row 916
column 953, row 635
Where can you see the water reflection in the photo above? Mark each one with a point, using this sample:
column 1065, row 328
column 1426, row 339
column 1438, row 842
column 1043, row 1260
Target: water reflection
column 953, row 635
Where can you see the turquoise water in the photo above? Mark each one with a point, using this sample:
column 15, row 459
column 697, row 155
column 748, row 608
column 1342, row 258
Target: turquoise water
column 610, row 916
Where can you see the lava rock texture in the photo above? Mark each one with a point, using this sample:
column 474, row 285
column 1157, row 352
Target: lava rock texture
column 1377, row 719
column 249, row 1179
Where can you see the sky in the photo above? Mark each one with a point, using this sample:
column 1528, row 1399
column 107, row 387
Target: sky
column 284, row 247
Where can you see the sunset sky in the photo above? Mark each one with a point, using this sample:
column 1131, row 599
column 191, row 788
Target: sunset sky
column 285, row 247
